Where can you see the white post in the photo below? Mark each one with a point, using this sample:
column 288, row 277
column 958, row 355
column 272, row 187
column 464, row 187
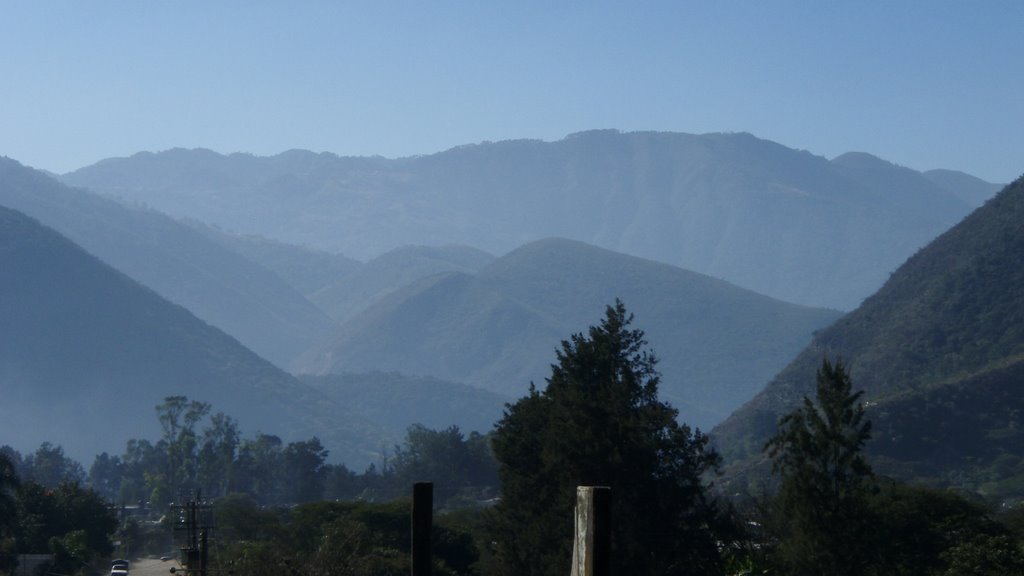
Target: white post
column 591, row 550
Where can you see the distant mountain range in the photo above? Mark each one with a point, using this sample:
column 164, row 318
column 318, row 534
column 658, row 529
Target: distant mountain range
column 305, row 269
column 779, row 221
column 86, row 354
column 447, row 317
column 433, row 328
column 939, row 351
column 498, row 329
column 340, row 286
column 215, row 282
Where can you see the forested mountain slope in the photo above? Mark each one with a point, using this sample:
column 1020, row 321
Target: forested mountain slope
column 779, row 221
column 498, row 329
column 86, row 353
column 214, row 282
column 938, row 351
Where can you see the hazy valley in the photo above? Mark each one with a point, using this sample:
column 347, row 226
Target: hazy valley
column 512, row 289
column 462, row 289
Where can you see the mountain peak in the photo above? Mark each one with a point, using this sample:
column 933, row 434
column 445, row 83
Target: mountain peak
column 862, row 157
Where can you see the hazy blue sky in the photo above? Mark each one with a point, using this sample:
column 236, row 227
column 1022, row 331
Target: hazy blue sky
column 926, row 84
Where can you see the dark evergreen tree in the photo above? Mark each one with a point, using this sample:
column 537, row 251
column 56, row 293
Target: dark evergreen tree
column 457, row 465
column 260, row 469
column 9, row 484
column 178, row 419
column 217, row 454
column 141, row 463
column 822, row 502
column 106, row 475
column 599, row 422
column 304, row 471
column 49, row 466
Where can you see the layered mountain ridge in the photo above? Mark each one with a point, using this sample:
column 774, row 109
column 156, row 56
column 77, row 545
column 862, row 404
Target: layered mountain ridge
column 86, row 353
column 215, row 283
column 498, row 329
column 739, row 210
column 779, row 221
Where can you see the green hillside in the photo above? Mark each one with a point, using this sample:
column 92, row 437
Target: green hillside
column 967, row 432
column 937, row 350
column 499, row 328
column 86, row 353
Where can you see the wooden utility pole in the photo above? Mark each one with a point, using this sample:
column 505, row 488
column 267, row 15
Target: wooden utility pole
column 422, row 523
column 591, row 549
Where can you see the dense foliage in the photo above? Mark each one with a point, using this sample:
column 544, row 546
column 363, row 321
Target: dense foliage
column 260, row 485
column 332, row 538
column 283, row 508
column 206, row 453
column 70, row 522
column 9, row 483
column 831, row 515
column 599, row 422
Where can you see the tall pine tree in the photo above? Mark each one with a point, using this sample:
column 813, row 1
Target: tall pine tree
column 822, row 501
column 599, row 422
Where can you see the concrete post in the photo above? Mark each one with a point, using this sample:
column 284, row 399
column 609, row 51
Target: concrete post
column 591, row 551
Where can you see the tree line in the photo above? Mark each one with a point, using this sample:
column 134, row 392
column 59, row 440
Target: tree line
column 267, row 493
column 599, row 422
column 203, row 453
column 832, row 515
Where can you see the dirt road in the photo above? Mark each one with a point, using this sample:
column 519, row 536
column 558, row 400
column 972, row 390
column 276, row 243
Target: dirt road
column 152, row 567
